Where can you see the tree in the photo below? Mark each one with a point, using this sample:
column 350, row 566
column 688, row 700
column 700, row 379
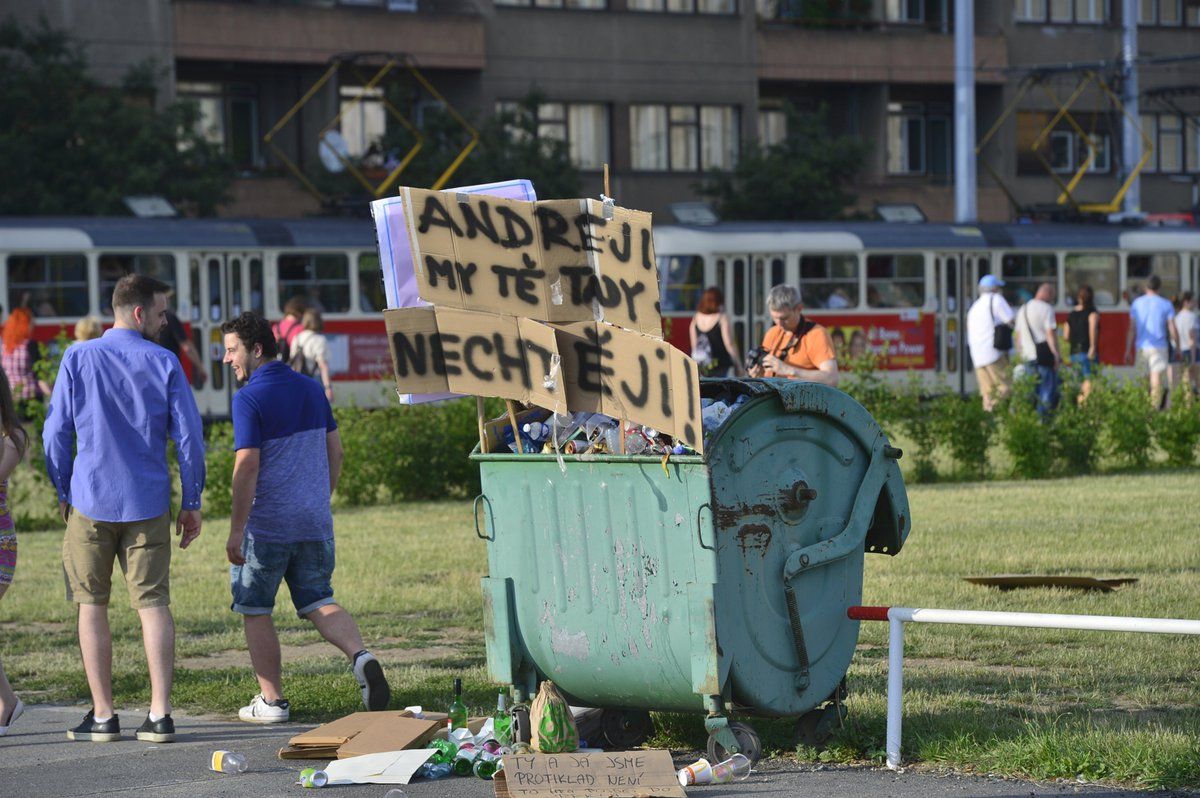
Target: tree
column 71, row 146
column 508, row 148
column 802, row 177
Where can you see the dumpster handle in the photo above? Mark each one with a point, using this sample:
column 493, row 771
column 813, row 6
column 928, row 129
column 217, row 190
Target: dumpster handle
column 475, row 515
column 700, row 527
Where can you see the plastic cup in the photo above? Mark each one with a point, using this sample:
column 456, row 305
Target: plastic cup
column 699, row 772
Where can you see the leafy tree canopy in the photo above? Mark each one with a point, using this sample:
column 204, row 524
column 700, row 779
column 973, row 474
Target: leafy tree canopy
column 805, row 176
column 69, row 146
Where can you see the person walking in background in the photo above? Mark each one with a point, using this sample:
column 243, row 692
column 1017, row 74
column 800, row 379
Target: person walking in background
column 1187, row 325
column 1035, row 327
column 1152, row 329
column 288, row 459
column 12, row 451
column 291, row 325
column 310, row 351
column 117, row 400
column 88, row 328
column 175, row 340
column 711, row 339
column 1083, row 335
column 21, row 352
column 989, row 337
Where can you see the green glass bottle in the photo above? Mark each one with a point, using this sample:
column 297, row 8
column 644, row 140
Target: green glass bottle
column 485, row 766
column 502, row 721
column 458, row 711
column 464, row 760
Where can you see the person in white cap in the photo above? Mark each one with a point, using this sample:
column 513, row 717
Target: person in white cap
column 989, row 344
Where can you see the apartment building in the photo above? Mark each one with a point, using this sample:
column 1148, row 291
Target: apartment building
column 664, row 90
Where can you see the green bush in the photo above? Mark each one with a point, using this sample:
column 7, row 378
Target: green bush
column 1177, row 430
column 861, row 379
column 916, row 421
column 1076, row 426
column 1128, row 421
column 218, row 459
column 1023, row 434
column 967, row 430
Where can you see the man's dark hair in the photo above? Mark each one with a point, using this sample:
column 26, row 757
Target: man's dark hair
column 135, row 290
column 252, row 329
column 1154, row 282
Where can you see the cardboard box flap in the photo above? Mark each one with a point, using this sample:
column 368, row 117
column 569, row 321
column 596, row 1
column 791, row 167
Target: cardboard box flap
column 389, row 734
column 339, row 731
column 619, row 774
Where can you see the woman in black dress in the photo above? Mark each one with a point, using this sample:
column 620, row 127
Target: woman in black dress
column 711, row 339
column 1083, row 333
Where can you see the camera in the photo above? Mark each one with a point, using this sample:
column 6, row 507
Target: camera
column 754, row 357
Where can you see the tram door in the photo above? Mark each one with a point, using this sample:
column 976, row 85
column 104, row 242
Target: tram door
column 746, row 280
column 222, row 285
column 955, row 275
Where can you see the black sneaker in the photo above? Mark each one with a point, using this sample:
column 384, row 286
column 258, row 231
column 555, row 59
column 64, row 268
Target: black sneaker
column 107, row 732
column 375, row 691
column 160, row 731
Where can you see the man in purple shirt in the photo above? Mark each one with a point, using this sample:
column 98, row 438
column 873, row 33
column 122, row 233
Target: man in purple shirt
column 118, row 398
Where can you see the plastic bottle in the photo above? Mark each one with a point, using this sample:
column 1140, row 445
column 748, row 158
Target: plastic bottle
column 445, row 752
column 435, row 770
column 228, row 762
column 735, row 768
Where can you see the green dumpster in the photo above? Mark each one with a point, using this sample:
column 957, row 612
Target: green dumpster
column 709, row 584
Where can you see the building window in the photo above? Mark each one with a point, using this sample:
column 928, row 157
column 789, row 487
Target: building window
column 1022, row 274
column 159, row 265
column 1174, row 141
column 1191, row 142
column 685, row 6
column 1064, row 148
column 49, row 285
column 683, row 138
column 895, row 281
column 228, row 118
column 582, row 126
column 1139, row 267
column 363, row 120
column 1100, row 270
column 579, row 5
column 919, row 139
column 322, row 279
column 829, row 281
column 910, row 11
column 683, row 282
column 1160, row 12
column 772, row 126
column 1061, row 12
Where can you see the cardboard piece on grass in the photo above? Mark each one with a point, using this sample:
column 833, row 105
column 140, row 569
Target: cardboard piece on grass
column 386, row 767
column 618, row 774
column 553, row 261
column 1014, row 581
column 470, row 352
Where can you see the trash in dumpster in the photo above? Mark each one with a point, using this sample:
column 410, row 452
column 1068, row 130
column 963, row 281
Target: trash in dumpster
column 624, row 774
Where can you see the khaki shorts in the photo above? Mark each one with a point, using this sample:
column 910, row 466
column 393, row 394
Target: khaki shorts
column 142, row 547
column 1152, row 359
column 993, row 382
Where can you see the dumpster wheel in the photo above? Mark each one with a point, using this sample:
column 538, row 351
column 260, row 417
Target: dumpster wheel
column 625, row 729
column 815, row 727
column 747, row 740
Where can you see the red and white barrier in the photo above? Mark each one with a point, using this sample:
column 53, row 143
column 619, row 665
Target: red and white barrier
column 898, row 616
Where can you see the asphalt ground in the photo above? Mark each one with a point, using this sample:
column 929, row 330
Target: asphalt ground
column 38, row 761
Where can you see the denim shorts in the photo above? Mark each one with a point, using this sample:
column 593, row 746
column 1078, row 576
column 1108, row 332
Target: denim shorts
column 307, row 567
column 1086, row 364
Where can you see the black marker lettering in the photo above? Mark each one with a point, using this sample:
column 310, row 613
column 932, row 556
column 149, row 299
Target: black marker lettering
column 450, row 353
column 473, row 343
column 435, row 268
column 647, row 248
column 583, row 223
column 409, row 350
column 615, row 250
column 639, row 398
column 581, row 287
column 554, row 227
column 508, row 362
column 436, row 215
column 465, row 272
column 516, row 229
column 481, row 224
column 607, row 292
column 631, row 292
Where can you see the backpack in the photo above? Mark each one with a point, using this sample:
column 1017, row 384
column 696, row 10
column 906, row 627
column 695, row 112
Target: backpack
column 301, row 364
column 282, row 334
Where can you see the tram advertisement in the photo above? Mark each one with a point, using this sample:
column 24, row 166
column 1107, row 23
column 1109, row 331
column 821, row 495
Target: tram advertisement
column 901, row 341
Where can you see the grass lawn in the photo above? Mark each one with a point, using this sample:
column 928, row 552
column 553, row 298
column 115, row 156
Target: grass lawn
column 1118, row 708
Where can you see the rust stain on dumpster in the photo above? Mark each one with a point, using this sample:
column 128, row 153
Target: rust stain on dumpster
column 754, row 537
column 728, row 516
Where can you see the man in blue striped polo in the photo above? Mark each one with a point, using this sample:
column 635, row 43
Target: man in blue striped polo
column 289, row 456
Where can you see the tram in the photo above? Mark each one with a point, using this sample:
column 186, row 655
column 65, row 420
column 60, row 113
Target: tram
column 899, row 290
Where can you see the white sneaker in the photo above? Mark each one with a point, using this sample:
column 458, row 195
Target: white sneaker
column 262, row 711
column 375, row 691
column 18, row 710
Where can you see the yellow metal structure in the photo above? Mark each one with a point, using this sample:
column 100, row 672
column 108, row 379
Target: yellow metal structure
column 376, row 190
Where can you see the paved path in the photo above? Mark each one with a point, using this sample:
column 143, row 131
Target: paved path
column 38, row 760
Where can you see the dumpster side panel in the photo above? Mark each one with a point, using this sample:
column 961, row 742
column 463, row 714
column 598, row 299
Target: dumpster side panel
column 606, row 572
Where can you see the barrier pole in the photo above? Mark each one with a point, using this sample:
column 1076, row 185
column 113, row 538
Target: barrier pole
column 898, row 616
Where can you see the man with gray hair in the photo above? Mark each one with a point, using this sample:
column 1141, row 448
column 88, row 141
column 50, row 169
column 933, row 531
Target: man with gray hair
column 794, row 348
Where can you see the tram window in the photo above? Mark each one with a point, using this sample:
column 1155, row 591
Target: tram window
column 159, row 265
column 895, row 281
column 777, row 274
column 1022, row 274
column 49, row 285
column 829, row 281
column 322, row 279
column 684, row 281
column 1139, row 267
column 1100, row 270
column 256, row 285
column 370, row 284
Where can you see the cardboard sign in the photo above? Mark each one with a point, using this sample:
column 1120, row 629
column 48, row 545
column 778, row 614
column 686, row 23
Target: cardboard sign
column 620, row 774
column 625, row 375
column 554, row 261
column 486, row 354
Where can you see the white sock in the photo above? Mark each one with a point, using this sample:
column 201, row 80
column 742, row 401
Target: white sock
column 101, row 720
column 156, row 718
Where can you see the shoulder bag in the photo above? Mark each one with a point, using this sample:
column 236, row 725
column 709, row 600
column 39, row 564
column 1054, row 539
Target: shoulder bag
column 1002, row 334
column 1045, row 355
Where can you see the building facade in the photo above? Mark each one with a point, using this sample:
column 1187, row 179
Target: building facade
column 664, row 90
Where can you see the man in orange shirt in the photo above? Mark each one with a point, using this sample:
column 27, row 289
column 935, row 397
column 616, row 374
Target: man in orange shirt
column 795, row 348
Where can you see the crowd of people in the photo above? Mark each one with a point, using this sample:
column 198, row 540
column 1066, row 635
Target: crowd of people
column 118, row 397
column 1162, row 340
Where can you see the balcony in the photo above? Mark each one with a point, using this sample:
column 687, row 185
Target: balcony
column 893, row 54
column 442, row 34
